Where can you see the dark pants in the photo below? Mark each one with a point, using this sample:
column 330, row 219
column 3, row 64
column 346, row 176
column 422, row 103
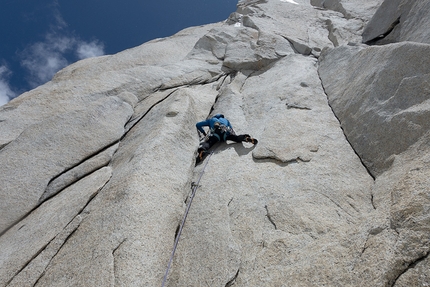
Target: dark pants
column 206, row 145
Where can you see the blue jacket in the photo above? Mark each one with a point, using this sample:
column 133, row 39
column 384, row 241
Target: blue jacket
column 210, row 123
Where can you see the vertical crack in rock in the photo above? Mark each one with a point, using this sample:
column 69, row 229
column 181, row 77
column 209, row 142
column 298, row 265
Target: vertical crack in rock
column 371, row 200
column 343, row 131
column 115, row 265
column 219, row 95
column 177, row 231
column 365, row 245
column 223, row 81
column 233, row 280
column 410, row 266
column 269, row 217
column 374, row 231
column 244, row 81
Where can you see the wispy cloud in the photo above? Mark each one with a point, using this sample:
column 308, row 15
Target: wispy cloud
column 88, row 50
column 43, row 59
column 6, row 92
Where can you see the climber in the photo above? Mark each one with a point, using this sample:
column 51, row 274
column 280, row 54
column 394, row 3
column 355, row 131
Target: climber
column 220, row 130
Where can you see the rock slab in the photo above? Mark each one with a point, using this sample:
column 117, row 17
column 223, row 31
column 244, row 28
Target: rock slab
column 97, row 166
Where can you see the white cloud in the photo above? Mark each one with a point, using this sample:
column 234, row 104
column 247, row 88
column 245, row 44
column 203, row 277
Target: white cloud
column 5, row 91
column 88, row 50
column 43, row 59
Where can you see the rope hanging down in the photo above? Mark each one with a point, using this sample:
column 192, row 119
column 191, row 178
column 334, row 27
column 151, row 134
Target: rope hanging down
column 183, row 221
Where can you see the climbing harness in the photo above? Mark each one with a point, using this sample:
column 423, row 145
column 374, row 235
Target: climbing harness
column 212, row 132
column 205, row 138
column 195, row 186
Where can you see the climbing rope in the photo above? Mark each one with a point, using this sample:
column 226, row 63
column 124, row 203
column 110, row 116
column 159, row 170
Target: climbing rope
column 196, row 185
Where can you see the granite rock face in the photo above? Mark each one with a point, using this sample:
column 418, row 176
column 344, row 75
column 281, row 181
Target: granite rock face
column 398, row 21
column 97, row 166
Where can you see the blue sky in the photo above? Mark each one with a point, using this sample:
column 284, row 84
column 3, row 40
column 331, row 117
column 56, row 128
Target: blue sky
column 38, row 38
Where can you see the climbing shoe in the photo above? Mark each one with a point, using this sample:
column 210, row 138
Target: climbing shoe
column 249, row 139
column 201, row 155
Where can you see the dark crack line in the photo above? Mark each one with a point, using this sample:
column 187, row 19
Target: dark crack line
column 4, row 145
column 295, row 106
column 244, row 82
column 365, row 245
column 194, row 82
column 177, row 232
column 276, row 160
column 115, row 259
column 411, row 265
column 371, row 200
column 29, row 261
column 177, row 88
column 93, row 196
column 337, row 204
column 233, row 280
column 41, row 250
column 223, row 81
column 382, row 36
column 217, row 98
column 42, row 199
column 40, row 203
column 233, row 74
column 72, row 183
column 307, row 51
column 52, row 258
column 343, row 131
column 363, row 249
column 71, row 233
column 45, row 246
column 269, row 217
column 146, row 113
column 354, row 207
